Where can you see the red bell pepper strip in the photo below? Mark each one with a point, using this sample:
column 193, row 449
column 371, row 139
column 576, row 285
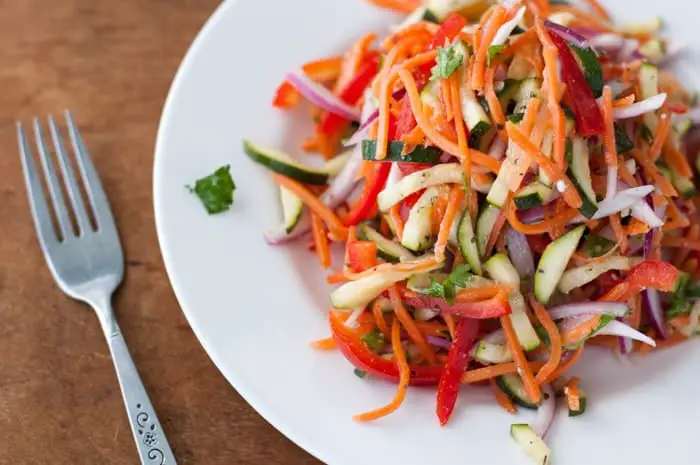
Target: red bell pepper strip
column 491, row 308
column 649, row 274
column 589, row 120
column 362, row 358
column 362, row 255
column 327, row 69
column 449, row 29
column 351, row 94
column 457, row 360
column 374, row 183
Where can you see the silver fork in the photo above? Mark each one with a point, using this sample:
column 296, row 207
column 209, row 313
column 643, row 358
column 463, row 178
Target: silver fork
column 89, row 265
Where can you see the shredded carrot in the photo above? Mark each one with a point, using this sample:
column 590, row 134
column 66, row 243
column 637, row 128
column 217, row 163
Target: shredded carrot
column 438, row 139
column 462, row 142
column 400, row 6
column 555, row 341
column 453, row 203
column 451, row 324
column 662, row 130
column 408, row 323
column 624, row 101
column 324, row 344
column 502, row 399
column 636, row 227
column 482, row 374
column 404, row 378
column 564, row 367
column 320, row 241
column 573, row 394
column 682, row 253
column 619, row 231
column 609, row 134
column 396, row 220
column 554, row 172
column 337, row 277
column 538, row 228
column 414, row 266
column 492, row 99
column 498, row 225
column 497, row 18
column 652, row 171
column 583, row 18
column 678, row 219
column 315, row 205
column 677, row 160
column 532, row 389
column 446, row 90
column 682, row 242
column 354, row 59
column 379, row 318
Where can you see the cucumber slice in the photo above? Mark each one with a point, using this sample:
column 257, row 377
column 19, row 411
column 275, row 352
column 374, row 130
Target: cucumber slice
column 359, row 293
column 547, row 147
column 489, row 352
column 649, row 85
column 420, row 154
column 527, row 336
column 533, row 195
column 334, row 166
column 591, row 68
column 445, row 173
column 292, row 208
column 476, row 118
column 529, row 88
column 653, row 49
column 430, row 95
column 389, row 250
column 553, row 262
column 530, row 443
column 283, row 164
column 512, row 385
column 577, row 157
column 685, row 186
column 500, row 269
column 582, row 404
column 508, row 94
column 484, row 226
column 417, row 233
column 467, row 243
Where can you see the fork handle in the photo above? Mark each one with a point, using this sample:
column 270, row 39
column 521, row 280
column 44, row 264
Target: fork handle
column 152, row 445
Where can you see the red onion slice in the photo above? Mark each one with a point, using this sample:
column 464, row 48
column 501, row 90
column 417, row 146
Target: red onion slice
column 321, row 96
column 588, row 308
column 651, row 304
column 622, row 200
column 568, row 34
column 643, row 212
column 439, row 342
column 545, row 413
column 640, row 108
column 368, row 118
column 617, row 328
column 520, row 253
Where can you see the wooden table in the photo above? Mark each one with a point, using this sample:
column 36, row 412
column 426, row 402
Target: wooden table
column 111, row 63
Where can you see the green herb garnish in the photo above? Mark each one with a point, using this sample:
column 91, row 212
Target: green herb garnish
column 679, row 302
column 216, row 190
column 494, row 51
column 374, row 340
column 448, row 60
column 646, row 134
column 359, row 373
column 447, row 290
column 516, row 117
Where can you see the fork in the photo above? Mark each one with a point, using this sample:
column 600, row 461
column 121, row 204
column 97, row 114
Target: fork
column 87, row 263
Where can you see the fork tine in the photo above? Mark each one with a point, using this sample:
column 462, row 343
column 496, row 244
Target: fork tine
column 69, row 178
column 37, row 201
column 66, row 229
column 93, row 186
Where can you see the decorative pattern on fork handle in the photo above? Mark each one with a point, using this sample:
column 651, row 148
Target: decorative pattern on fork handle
column 148, row 432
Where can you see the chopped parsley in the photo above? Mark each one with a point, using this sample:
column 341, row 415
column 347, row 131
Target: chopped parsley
column 359, row 373
column 374, row 340
column 447, row 290
column 448, row 60
column 679, row 302
column 216, row 190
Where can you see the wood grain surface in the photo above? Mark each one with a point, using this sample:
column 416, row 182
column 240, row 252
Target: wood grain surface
column 111, row 63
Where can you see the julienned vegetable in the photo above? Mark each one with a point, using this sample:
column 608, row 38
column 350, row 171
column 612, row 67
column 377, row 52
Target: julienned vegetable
column 517, row 189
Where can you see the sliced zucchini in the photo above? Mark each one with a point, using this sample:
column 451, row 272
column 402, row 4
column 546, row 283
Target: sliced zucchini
column 582, row 404
column 427, row 154
column 389, row 250
column 417, row 233
column 430, row 95
column 468, row 244
column 653, row 49
column 528, row 89
column 466, row 8
column 335, row 165
column 484, row 225
column 579, row 171
column 649, row 27
column 500, row 269
column 649, row 85
column 499, row 189
column 527, row 336
column 604, row 320
column 476, row 118
column 684, row 185
column 419, row 14
column 553, row 262
column 292, row 208
column 530, row 443
column 283, row 164
column 591, row 68
column 512, row 385
column 577, row 277
column 359, row 293
column 490, row 352
column 445, row 173
column 547, row 147
column 507, row 95
column 533, row 195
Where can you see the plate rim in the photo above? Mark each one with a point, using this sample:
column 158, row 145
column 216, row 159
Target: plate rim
column 257, row 404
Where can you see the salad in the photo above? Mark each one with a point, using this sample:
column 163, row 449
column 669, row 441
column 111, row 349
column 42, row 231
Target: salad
column 511, row 183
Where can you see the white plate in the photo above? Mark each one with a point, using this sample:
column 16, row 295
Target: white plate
column 255, row 307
